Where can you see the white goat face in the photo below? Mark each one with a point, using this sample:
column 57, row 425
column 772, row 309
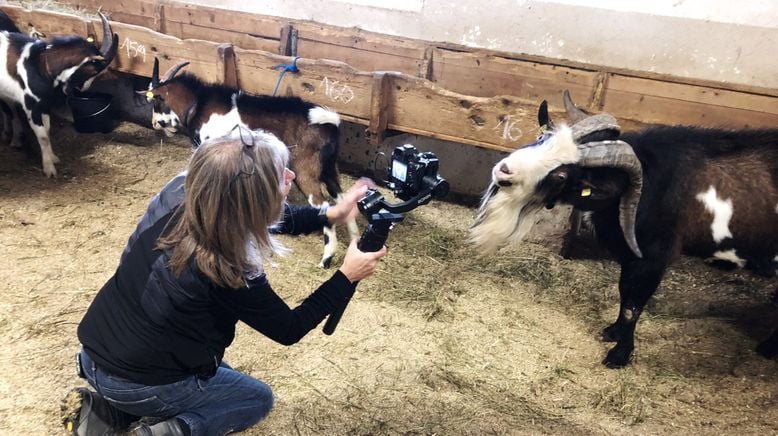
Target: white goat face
column 511, row 202
column 164, row 119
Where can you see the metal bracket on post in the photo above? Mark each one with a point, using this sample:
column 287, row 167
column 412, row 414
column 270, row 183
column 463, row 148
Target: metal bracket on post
column 379, row 107
column 288, row 42
column 228, row 65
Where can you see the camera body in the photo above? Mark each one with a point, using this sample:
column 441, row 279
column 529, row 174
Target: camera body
column 411, row 172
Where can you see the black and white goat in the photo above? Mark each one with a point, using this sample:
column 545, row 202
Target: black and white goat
column 184, row 103
column 32, row 70
column 654, row 194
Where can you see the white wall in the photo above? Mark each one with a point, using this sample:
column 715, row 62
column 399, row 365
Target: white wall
column 720, row 40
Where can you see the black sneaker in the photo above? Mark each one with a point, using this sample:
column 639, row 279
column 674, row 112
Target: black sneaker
column 146, row 427
column 86, row 413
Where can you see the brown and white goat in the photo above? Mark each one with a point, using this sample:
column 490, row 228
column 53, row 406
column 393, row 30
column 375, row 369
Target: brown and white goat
column 654, row 194
column 32, row 70
column 184, row 103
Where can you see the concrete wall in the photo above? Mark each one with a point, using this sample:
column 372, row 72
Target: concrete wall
column 720, row 40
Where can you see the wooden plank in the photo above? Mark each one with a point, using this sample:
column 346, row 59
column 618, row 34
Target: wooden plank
column 750, row 89
column 50, row 23
column 501, row 123
column 362, row 50
column 487, row 76
column 139, row 12
column 138, row 47
column 238, row 39
column 652, row 101
column 329, row 83
column 255, row 25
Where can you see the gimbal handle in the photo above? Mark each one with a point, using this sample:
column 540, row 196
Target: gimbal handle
column 373, row 238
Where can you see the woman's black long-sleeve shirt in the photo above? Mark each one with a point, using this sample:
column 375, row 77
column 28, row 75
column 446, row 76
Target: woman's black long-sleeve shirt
column 150, row 327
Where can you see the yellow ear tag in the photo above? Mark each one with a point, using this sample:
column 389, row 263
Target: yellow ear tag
column 70, row 426
column 90, row 39
column 585, row 192
column 149, row 95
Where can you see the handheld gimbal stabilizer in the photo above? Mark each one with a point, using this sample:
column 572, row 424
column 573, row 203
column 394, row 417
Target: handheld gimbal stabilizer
column 413, row 177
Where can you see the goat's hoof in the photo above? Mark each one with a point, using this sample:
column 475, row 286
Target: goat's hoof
column 50, row 172
column 617, row 357
column 325, row 263
column 15, row 143
column 612, row 333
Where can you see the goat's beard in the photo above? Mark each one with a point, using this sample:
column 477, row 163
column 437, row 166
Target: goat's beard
column 503, row 218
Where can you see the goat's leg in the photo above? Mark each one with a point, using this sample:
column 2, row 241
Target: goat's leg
column 8, row 117
column 638, row 282
column 310, row 186
column 351, row 224
column 330, row 178
column 17, row 130
column 40, row 124
column 330, row 236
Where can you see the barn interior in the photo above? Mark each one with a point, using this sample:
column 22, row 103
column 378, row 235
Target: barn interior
column 441, row 340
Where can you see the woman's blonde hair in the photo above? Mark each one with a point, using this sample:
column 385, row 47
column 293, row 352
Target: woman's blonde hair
column 233, row 195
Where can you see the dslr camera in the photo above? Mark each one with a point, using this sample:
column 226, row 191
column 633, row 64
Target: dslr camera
column 412, row 172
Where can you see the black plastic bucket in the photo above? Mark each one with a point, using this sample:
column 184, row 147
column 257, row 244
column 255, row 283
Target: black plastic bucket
column 92, row 112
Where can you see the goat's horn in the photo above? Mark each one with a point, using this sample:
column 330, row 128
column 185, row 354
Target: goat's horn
column 573, row 112
column 619, row 154
column 174, row 70
column 110, row 43
column 155, row 74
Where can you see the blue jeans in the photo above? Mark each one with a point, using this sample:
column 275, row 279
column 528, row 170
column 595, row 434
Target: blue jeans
column 229, row 401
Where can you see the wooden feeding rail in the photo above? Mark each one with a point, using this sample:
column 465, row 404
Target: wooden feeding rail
column 480, row 97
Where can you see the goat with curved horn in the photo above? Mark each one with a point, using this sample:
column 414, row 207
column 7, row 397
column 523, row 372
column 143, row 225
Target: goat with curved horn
column 669, row 187
column 110, row 43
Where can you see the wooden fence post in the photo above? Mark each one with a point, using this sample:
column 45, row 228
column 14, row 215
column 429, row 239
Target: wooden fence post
column 159, row 17
column 379, row 105
column 288, row 42
column 228, row 65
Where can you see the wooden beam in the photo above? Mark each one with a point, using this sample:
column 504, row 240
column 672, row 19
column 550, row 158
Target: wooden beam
column 653, row 101
column 139, row 46
column 487, row 76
